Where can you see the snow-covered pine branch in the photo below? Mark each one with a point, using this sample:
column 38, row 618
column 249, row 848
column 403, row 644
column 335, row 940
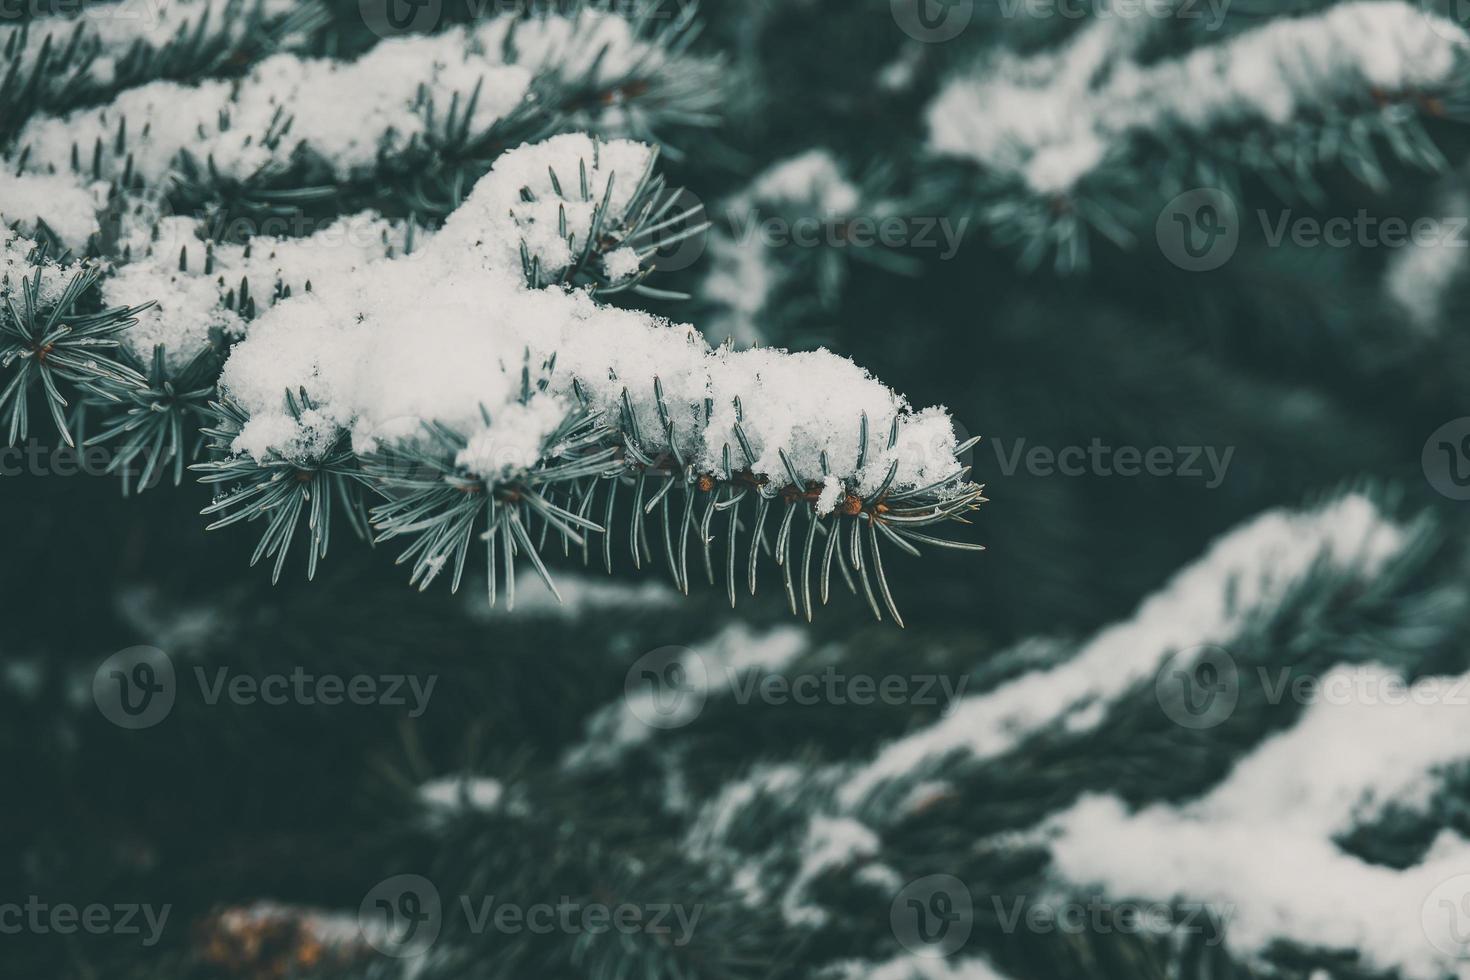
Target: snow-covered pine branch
column 409, row 125
column 466, row 374
column 1053, row 142
column 469, row 394
column 414, row 119
column 55, row 334
column 1286, row 581
column 61, row 63
column 810, row 199
column 1344, row 765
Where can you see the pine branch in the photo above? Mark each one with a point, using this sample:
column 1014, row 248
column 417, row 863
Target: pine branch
column 232, row 151
column 1329, row 101
column 58, row 64
column 54, row 334
column 153, row 426
column 529, row 464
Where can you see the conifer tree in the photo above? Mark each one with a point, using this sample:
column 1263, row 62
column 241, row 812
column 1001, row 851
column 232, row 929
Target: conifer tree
column 549, row 309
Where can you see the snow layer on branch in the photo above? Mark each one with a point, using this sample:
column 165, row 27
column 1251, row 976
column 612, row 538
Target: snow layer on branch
column 914, row 967
column 1250, row 569
column 1420, row 275
column 454, row 794
column 69, row 208
column 831, row 842
column 111, row 31
column 1262, row 843
column 711, row 670
column 582, row 595
column 814, row 178
column 345, row 113
column 1053, row 118
column 443, row 338
column 726, row 816
column 189, row 304
column 186, row 310
column 741, row 279
column 15, row 266
column 743, row 273
column 496, row 220
column 573, row 46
